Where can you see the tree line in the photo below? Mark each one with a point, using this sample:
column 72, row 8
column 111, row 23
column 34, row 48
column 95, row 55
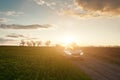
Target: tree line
column 34, row 43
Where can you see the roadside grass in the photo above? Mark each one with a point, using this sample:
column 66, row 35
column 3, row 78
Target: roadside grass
column 37, row 63
column 109, row 54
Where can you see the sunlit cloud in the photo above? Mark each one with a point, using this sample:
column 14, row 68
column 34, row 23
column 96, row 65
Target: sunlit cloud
column 4, row 20
column 92, row 8
column 11, row 13
column 78, row 14
column 50, row 4
column 101, row 7
column 110, row 6
column 16, row 26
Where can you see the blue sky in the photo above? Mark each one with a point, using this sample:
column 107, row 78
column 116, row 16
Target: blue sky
column 87, row 23
column 31, row 11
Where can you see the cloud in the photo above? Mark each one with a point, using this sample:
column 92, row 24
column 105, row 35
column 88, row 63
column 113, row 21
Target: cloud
column 3, row 40
column 47, row 3
column 4, row 20
column 21, row 36
column 12, row 13
column 91, row 8
column 78, row 14
column 15, row 26
column 101, row 7
column 40, row 2
column 13, row 35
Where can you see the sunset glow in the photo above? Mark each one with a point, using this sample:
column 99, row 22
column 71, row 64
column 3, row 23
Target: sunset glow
column 60, row 21
column 67, row 39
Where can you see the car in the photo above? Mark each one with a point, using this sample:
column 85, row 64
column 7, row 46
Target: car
column 73, row 52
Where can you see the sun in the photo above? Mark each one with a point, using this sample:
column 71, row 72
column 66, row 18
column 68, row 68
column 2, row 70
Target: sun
column 67, row 39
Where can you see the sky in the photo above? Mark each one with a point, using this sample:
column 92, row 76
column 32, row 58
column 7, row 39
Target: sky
column 89, row 22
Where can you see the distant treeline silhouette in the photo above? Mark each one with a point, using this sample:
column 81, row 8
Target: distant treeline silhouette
column 34, row 43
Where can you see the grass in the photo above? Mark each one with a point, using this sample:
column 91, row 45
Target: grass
column 109, row 54
column 37, row 63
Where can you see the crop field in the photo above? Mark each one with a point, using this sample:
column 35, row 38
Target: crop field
column 37, row 63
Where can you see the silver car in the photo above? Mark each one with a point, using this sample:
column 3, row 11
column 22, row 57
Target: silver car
column 73, row 52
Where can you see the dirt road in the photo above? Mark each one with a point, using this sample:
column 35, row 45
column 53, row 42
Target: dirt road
column 98, row 69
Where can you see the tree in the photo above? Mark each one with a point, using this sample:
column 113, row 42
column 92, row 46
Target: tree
column 33, row 43
column 22, row 43
column 38, row 43
column 47, row 43
column 29, row 43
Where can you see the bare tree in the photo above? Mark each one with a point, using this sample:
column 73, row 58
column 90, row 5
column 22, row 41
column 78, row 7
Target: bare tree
column 33, row 43
column 29, row 43
column 22, row 43
column 38, row 43
column 47, row 43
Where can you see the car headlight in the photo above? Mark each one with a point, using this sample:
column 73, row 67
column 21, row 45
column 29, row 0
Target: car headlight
column 81, row 53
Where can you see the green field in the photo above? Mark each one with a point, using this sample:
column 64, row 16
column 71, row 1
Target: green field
column 37, row 63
